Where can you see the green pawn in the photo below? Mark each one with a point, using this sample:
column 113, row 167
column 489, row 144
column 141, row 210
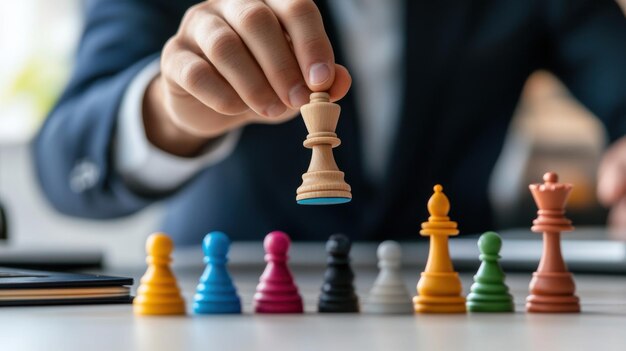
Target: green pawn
column 489, row 293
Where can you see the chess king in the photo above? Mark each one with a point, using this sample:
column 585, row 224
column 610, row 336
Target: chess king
column 552, row 287
column 323, row 183
column 439, row 288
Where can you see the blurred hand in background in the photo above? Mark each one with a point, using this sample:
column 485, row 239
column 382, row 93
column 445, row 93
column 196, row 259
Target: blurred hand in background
column 612, row 183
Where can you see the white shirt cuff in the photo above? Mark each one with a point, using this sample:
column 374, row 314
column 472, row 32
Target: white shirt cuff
column 146, row 167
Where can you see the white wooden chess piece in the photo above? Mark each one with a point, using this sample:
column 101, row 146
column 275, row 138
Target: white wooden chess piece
column 389, row 295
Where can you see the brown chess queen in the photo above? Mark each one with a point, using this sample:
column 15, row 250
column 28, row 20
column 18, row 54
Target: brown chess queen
column 323, row 183
column 552, row 287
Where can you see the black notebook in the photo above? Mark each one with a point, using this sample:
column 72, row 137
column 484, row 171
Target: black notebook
column 21, row 287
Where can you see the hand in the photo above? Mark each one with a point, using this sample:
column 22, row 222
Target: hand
column 612, row 183
column 234, row 62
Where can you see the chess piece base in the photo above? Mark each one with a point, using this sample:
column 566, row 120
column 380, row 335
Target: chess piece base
column 439, row 293
column 475, row 306
column 552, row 292
column 324, row 201
column 323, row 188
column 552, row 304
column 485, row 297
column 489, row 303
column 388, row 308
column 172, row 308
column 338, row 307
column 217, row 306
column 539, row 304
column 439, row 304
column 274, row 307
column 277, row 303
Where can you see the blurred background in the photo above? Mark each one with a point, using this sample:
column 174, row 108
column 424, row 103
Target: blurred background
column 37, row 42
column 38, row 39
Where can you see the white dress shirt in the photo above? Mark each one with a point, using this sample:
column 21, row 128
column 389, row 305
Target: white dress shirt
column 371, row 35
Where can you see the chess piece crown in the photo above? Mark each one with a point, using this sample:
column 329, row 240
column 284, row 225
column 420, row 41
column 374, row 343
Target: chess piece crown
column 550, row 198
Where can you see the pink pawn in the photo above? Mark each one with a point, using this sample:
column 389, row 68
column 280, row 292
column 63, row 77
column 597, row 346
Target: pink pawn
column 277, row 292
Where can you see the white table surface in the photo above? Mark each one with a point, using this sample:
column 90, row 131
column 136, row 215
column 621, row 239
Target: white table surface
column 601, row 326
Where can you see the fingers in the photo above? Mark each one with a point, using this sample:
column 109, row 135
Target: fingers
column 341, row 84
column 251, row 59
column 190, row 74
column 226, row 51
column 261, row 32
column 612, row 174
column 302, row 21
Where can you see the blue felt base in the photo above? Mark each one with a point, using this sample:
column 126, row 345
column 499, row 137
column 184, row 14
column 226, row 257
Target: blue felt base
column 324, row 201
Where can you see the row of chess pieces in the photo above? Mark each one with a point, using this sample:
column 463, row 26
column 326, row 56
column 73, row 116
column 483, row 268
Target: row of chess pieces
column 439, row 289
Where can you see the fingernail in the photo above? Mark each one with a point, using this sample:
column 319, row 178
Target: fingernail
column 319, row 73
column 275, row 110
column 298, row 96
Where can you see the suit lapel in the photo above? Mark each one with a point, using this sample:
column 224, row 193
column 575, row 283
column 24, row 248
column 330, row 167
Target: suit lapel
column 432, row 42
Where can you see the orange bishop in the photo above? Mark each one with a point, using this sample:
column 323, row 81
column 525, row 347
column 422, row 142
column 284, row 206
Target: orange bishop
column 439, row 288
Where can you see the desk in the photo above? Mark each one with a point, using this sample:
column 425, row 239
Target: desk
column 602, row 325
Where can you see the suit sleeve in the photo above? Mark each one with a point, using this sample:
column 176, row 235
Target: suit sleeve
column 72, row 152
column 588, row 53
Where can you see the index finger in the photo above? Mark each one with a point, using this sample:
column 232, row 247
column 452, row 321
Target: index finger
column 302, row 21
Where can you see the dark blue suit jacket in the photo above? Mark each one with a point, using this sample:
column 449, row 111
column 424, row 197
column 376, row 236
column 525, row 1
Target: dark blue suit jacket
column 466, row 63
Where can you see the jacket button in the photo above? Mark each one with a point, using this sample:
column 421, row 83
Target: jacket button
column 84, row 176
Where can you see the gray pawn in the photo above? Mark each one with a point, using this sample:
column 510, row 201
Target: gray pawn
column 389, row 294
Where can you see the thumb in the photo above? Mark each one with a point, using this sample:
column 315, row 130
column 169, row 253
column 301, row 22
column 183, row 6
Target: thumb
column 341, row 84
column 612, row 174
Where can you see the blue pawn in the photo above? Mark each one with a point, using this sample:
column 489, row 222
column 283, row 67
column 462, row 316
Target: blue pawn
column 216, row 293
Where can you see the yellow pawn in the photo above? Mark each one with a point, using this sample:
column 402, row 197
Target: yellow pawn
column 158, row 292
column 439, row 288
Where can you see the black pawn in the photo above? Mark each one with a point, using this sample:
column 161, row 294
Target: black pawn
column 338, row 293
